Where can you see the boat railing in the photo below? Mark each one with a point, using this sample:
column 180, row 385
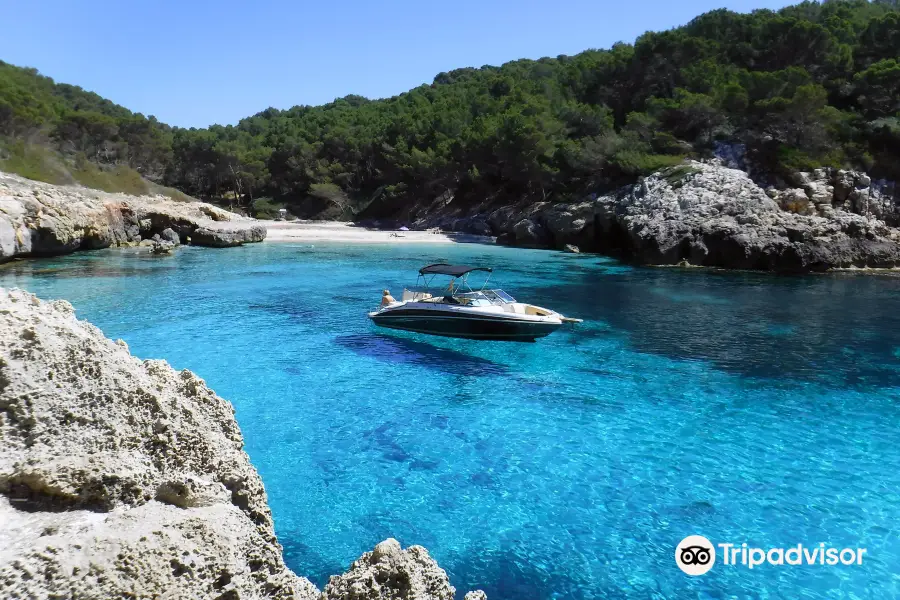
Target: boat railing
column 433, row 294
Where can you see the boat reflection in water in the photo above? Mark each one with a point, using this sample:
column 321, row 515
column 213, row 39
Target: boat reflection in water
column 456, row 310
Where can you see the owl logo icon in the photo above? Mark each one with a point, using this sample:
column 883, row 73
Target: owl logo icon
column 695, row 555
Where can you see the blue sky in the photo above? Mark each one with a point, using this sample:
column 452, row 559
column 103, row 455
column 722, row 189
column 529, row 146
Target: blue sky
column 194, row 63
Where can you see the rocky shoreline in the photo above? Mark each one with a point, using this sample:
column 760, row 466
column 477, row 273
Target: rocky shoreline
column 124, row 478
column 697, row 214
column 39, row 219
column 706, row 214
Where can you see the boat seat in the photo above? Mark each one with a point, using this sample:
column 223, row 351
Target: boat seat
column 413, row 295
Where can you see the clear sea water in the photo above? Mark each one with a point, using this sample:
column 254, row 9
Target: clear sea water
column 743, row 407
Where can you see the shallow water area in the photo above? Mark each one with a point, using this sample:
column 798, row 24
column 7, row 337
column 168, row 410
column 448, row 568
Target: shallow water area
column 742, row 407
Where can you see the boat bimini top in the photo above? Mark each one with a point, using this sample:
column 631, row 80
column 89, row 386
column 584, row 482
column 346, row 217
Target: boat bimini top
column 458, row 290
column 452, row 270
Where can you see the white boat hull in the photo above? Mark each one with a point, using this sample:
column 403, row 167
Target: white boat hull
column 483, row 323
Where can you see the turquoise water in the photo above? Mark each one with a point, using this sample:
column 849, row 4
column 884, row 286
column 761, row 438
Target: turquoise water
column 743, row 407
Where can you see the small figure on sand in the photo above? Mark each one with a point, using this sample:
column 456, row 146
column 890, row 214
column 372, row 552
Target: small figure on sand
column 386, row 298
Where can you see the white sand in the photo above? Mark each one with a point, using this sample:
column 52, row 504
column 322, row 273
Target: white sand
column 339, row 231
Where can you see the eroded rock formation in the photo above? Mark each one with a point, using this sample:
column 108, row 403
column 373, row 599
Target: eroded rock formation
column 711, row 215
column 120, row 476
column 391, row 572
column 824, row 191
column 704, row 213
column 39, row 219
column 124, row 478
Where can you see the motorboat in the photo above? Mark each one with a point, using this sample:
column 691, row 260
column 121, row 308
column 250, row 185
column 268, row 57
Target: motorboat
column 456, row 310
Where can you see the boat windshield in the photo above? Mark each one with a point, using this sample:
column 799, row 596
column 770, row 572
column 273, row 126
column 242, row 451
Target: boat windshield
column 501, row 295
column 485, row 297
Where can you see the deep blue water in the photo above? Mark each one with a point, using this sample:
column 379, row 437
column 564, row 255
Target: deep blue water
column 743, row 407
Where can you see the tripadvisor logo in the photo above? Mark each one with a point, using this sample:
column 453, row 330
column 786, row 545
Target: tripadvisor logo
column 696, row 555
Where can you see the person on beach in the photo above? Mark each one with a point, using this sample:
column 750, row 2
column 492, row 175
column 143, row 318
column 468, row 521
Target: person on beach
column 386, row 298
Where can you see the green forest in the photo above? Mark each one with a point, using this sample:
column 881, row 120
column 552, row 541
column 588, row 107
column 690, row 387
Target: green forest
column 811, row 85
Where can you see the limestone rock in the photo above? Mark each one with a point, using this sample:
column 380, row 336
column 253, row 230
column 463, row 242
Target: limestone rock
column 170, row 236
column 529, row 233
column 476, row 225
column 161, row 247
column 796, row 201
column 503, row 219
column 391, row 573
column 851, row 191
column 121, row 477
column 570, row 223
column 39, row 219
column 720, row 217
column 506, row 239
column 224, row 236
column 843, row 183
column 820, row 191
column 387, row 549
column 706, row 214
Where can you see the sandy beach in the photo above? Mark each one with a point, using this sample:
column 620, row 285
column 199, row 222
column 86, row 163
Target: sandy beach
column 339, row 231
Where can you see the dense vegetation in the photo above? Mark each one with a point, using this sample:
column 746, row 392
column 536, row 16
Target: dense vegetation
column 810, row 85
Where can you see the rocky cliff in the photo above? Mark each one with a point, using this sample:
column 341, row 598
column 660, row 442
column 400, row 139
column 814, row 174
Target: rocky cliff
column 39, row 219
column 704, row 213
column 124, row 478
column 389, row 572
